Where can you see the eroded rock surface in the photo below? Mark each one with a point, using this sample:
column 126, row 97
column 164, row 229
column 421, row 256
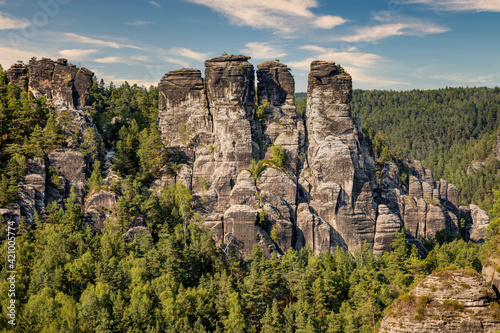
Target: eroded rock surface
column 62, row 83
column 326, row 194
column 447, row 301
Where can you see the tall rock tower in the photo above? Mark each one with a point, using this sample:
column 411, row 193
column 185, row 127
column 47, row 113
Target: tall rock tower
column 326, row 195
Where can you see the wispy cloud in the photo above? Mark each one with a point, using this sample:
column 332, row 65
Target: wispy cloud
column 281, row 15
column 9, row 22
column 113, row 60
column 360, row 65
column 357, row 59
column 9, row 56
column 138, row 23
column 462, row 5
column 76, row 54
column 94, row 41
column 154, row 3
column 188, row 53
column 140, row 58
column 260, row 50
column 393, row 26
column 177, row 62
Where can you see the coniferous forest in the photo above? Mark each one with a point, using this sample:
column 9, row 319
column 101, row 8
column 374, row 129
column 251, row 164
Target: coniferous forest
column 452, row 131
column 73, row 279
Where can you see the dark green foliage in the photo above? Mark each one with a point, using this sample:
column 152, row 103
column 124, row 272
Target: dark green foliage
column 95, row 180
column 300, row 104
column 278, row 157
column 118, row 106
column 447, row 129
column 256, row 168
column 260, row 110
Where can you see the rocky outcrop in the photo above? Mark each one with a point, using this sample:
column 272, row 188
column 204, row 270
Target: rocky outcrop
column 62, row 83
column 183, row 107
column 387, row 224
column 52, row 178
column 32, row 189
column 18, row 75
column 133, row 233
column 325, row 195
column 447, row 301
column 480, row 220
column 337, row 177
column 72, row 167
column 491, row 272
column 98, row 207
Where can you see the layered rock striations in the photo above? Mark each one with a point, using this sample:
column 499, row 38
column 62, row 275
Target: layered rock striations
column 325, row 195
column 335, row 181
column 447, row 301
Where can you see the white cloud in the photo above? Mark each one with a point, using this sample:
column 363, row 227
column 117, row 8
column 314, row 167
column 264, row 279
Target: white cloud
column 360, row 65
column 188, row 53
column 258, row 50
column 76, row 54
column 113, row 60
column 462, row 5
column 155, row 4
column 140, row 58
column 177, row 62
column 138, row 23
column 87, row 40
column 356, row 59
column 328, row 21
column 282, row 15
column 314, row 48
column 9, row 56
column 9, row 22
column 384, row 27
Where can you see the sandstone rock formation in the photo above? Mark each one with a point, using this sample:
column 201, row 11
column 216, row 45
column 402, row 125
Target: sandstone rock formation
column 326, row 195
column 222, row 134
column 62, row 83
column 18, row 75
column 448, row 301
column 98, row 207
column 52, row 178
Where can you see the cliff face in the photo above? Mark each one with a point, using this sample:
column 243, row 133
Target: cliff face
column 325, row 195
column 52, row 178
column 448, row 301
column 62, row 83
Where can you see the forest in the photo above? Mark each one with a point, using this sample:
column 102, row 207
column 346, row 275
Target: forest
column 451, row 130
column 73, row 279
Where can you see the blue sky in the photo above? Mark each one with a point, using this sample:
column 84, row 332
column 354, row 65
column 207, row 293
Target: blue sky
column 390, row 44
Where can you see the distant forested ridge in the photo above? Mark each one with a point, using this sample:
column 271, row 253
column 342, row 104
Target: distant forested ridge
column 447, row 129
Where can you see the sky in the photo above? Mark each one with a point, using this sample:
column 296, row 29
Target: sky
column 389, row 44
